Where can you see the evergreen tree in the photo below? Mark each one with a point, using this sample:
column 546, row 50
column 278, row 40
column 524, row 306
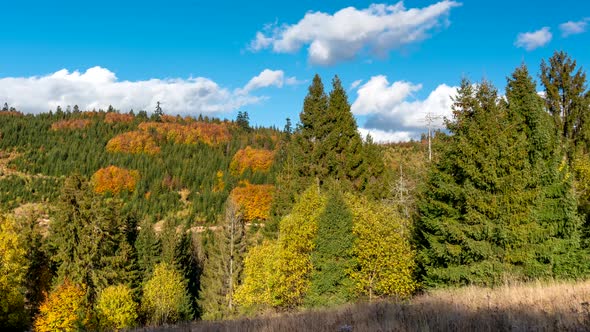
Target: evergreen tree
column 485, row 214
column 38, row 277
column 311, row 133
column 288, row 129
column 343, row 145
column 243, row 120
column 147, row 246
column 190, row 265
column 88, row 239
column 223, row 267
column 566, row 98
column 158, row 113
column 332, row 257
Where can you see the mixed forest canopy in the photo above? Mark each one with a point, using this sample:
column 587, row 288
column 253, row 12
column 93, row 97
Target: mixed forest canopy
column 111, row 220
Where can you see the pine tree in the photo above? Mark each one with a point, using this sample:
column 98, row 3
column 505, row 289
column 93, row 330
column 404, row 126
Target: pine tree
column 223, row 267
column 332, row 257
column 243, row 121
column 190, row 265
column 485, row 214
column 88, row 239
column 158, row 113
column 147, row 246
column 343, row 142
column 566, row 98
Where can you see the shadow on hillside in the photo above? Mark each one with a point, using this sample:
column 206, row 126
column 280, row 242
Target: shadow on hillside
column 385, row 316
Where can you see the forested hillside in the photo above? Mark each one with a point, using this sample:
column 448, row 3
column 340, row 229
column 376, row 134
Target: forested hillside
column 113, row 220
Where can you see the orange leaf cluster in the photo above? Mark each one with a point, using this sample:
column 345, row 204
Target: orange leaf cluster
column 92, row 114
column 210, row 133
column 11, row 113
column 70, row 124
column 133, row 142
column 64, row 309
column 170, row 118
column 256, row 159
column 112, row 117
column 114, row 180
column 254, row 199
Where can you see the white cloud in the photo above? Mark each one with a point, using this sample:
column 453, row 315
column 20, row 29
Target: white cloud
column 294, row 81
column 349, row 32
column 265, row 79
column 355, row 84
column 531, row 40
column 573, row 28
column 377, row 95
column 382, row 136
column 392, row 112
column 99, row 87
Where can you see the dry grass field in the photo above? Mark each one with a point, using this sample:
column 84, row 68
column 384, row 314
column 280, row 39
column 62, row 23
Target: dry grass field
column 526, row 307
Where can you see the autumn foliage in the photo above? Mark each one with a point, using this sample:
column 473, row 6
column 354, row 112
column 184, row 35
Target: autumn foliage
column 113, row 117
column 70, row 124
column 64, row 309
column 209, row 133
column 133, row 142
column 11, row 113
column 114, row 180
column 254, row 199
column 258, row 160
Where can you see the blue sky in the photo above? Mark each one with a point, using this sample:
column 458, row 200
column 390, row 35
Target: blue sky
column 204, row 56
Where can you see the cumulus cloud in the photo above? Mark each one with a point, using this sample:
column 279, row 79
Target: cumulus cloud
column 532, row 40
column 572, row 28
column 382, row 136
column 99, row 87
column 332, row 38
column 265, row 79
column 393, row 114
column 377, row 95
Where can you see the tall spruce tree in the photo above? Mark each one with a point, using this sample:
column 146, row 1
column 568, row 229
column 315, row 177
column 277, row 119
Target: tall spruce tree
column 332, row 256
column 566, row 98
column 148, row 250
column 325, row 145
column 223, row 267
column 190, row 265
column 88, row 237
column 300, row 168
column 312, row 131
column 488, row 212
column 343, row 145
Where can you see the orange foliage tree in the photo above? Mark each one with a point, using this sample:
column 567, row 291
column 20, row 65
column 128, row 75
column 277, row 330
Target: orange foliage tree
column 114, row 180
column 255, row 159
column 209, row 133
column 133, row 142
column 11, row 113
column 254, row 199
column 70, row 124
column 64, row 309
column 113, row 117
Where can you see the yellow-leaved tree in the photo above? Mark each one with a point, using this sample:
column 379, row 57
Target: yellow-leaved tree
column 64, row 309
column 13, row 267
column 277, row 273
column 165, row 298
column 256, row 291
column 115, row 308
column 385, row 259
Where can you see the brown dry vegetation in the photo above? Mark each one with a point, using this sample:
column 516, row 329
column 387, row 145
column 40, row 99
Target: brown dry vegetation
column 531, row 307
